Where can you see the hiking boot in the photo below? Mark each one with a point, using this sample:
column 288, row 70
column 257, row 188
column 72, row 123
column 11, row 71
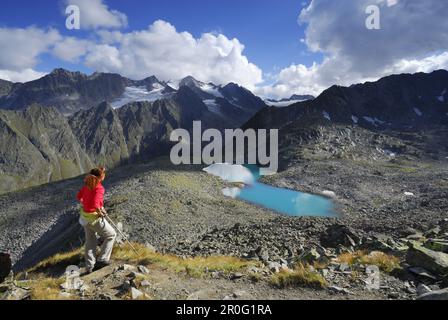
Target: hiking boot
column 100, row 265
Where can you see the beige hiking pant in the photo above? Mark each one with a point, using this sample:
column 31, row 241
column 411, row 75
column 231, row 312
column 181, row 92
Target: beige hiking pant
column 106, row 233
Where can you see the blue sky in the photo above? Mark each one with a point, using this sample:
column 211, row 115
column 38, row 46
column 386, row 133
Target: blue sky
column 259, row 44
column 268, row 29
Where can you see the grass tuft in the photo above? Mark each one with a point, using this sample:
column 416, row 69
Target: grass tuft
column 58, row 261
column 46, row 289
column 195, row 267
column 385, row 262
column 300, row 276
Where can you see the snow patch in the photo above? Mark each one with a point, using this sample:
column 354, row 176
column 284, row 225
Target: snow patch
column 281, row 104
column 418, row 112
column 326, row 115
column 374, row 121
column 212, row 106
column 231, row 172
column 409, row 194
column 137, row 94
column 231, row 192
column 390, row 153
column 214, row 91
column 329, row 194
column 174, row 84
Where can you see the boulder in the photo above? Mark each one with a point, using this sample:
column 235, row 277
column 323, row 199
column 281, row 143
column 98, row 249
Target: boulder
column 143, row 269
column 443, row 224
column 126, row 267
column 338, row 234
column 310, row 256
column 384, row 243
column 274, row 267
column 435, row 295
column 433, row 261
column 422, row 289
column 5, row 266
column 437, row 245
column 421, row 272
column 136, row 294
column 434, row 232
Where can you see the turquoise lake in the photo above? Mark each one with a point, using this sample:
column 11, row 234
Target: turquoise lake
column 286, row 201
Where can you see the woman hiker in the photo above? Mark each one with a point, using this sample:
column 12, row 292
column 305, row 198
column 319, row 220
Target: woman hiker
column 93, row 220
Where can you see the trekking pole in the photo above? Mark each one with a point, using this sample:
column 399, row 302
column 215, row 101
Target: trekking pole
column 121, row 233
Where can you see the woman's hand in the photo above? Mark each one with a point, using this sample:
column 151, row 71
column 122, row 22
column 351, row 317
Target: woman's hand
column 101, row 212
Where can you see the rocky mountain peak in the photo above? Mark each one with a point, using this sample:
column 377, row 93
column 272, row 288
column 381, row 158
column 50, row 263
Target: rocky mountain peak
column 189, row 81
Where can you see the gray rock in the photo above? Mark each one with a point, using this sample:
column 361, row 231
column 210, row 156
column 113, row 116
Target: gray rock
column 434, row 232
column 126, row 267
column 5, row 265
column 145, row 283
column 136, row 294
column 433, row 261
column 422, row 289
column 338, row 234
column 274, row 267
column 435, row 295
column 422, row 272
column 437, row 245
column 310, row 256
column 126, row 285
column 143, row 269
column 336, row 289
column 236, row 275
column 343, row 267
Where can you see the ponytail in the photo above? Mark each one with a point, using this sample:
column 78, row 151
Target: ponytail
column 93, row 179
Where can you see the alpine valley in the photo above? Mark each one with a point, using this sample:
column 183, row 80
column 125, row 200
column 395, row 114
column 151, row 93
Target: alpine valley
column 378, row 150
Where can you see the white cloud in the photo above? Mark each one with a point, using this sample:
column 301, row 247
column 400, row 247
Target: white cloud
column 413, row 38
column 163, row 51
column 94, row 14
column 21, row 76
column 20, row 48
column 20, row 51
column 71, row 49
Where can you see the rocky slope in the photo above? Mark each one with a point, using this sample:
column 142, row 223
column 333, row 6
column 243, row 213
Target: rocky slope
column 37, row 145
column 5, row 87
column 181, row 210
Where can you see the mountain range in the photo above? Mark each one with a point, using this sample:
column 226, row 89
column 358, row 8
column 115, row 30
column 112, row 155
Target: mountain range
column 398, row 114
column 60, row 125
column 288, row 101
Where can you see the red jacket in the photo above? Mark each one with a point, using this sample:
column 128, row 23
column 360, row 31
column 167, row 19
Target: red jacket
column 91, row 199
